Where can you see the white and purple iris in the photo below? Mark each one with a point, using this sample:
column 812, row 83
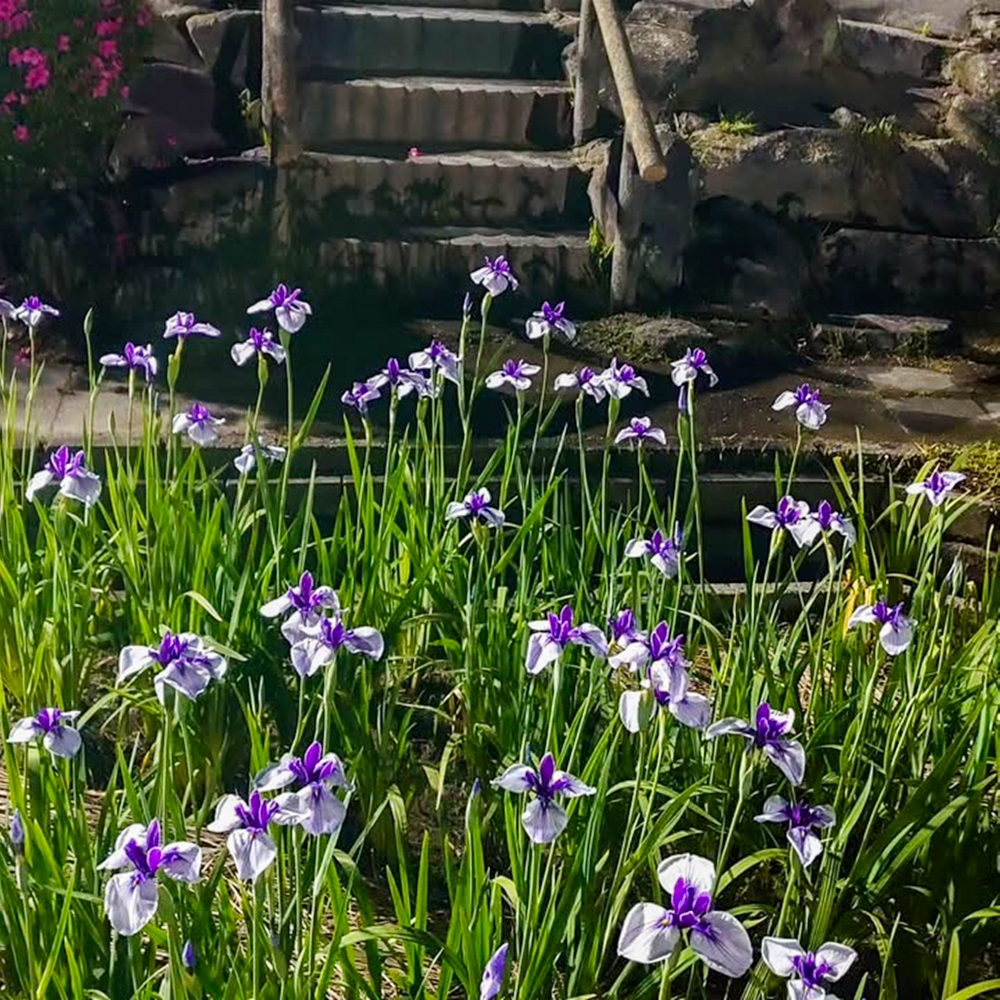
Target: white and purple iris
column 770, row 732
column 322, row 642
column 641, row 649
column 896, row 632
column 548, row 321
column 495, row 276
column 249, row 843
column 517, row 374
column 187, row 664
column 359, row 396
column 131, row 898
column 585, row 381
column 493, row 974
column 476, row 506
column 258, row 342
column 665, row 687
column 936, row 487
column 401, row 381
column 246, row 460
column 320, row 811
column 802, row 819
column 624, row 629
column 436, row 358
column 640, row 430
column 306, row 602
column 651, row 933
column 49, row 725
column 32, row 311
column 790, row 515
column 289, row 310
column 544, row 819
column 184, row 325
column 808, row 972
column 809, row 410
column 135, row 358
column 687, row 369
column 75, row 480
column 551, row 636
column 830, row 521
column 618, row 381
column 199, row 425
column 663, row 552
column 7, row 309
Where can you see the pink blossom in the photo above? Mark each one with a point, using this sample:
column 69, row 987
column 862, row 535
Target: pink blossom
column 100, row 89
column 63, row 44
column 143, row 17
column 412, row 153
column 37, row 78
column 107, row 29
column 108, row 48
column 21, row 133
column 14, row 56
column 125, row 91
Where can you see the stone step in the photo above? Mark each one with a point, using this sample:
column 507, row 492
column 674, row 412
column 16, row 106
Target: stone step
column 429, row 263
column 453, row 5
column 398, row 39
column 477, row 188
column 443, row 112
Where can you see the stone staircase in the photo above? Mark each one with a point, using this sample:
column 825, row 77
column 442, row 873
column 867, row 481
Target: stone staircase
column 478, row 89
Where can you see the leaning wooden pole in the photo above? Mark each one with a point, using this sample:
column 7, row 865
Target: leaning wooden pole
column 587, row 58
column 638, row 128
column 279, row 90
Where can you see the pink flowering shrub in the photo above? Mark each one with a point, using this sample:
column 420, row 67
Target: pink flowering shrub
column 63, row 66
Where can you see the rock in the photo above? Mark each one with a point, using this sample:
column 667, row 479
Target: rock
column 169, row 42
column 975, row 123
column 935, row 415
column 941, row 18
column 985, row 26
column 868, row 269
column 904, row 380
column 982, row 346
column 184, row 96
column 687, row 122
column 746, row 262
column 154, row 142
column 668, row 337
column 877, row 334
column 884, row 51
column 229, row 42
column 977, row 73
column 852, row 176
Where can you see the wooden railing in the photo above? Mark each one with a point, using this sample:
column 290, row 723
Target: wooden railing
column 642, row 157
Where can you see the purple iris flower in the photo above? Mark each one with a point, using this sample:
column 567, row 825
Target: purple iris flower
column 436, row 357
column 258, row 342
column 246, row 460
column 658, row 646
column 184, row 325
column 477, row 507
column 75, row 480
column 807, row 971
column 586, row 380
column 188, row 664
column 493, row 974
column 32, row 311
column 316, row 773
column 189, row 957
column 791, row 515
column 687, row 369
column 624, row 629
column 652, row 933
column 809, row 410
column 664, row 687
column 936, row 487
column 250, row 845
column 662, row 551
column 16, row 833
column 551, row 636
column 289, row 310
column 131, row 897
column 513, row 373
column 402, row 381
column 134, row 357
column 641, row 429
column 306, row 602
column 547, row 321
column 769, row 732
column 544, row 819
column 495, row 276
column 199, row 424
column 359, row 396
column 323, row 641
column 50, row 725
column 7, row 309
column 830, row 521
column 802, row 819
column 619, row 380
column 896, row 633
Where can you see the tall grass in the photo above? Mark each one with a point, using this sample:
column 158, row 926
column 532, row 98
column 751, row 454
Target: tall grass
column 432, row 869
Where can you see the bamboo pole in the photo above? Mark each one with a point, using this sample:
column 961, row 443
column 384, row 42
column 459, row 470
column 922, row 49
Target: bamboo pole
column 639, row 129
column 585, row 97
column 280, row 106
column 627, row 234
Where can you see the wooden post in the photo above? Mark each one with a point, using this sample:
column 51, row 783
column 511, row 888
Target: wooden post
column 630, row 191
column 587, row 68
column 279, row 89
column 639, row 129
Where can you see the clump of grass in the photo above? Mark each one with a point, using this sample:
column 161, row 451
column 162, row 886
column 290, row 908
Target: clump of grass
column 737, row 124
